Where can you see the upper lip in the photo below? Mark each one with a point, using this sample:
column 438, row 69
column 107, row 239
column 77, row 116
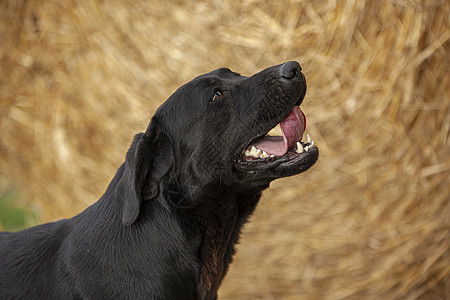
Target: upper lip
column 260, row 135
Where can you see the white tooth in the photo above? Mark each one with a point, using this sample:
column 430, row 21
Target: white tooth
column 271, row 155
column 312, row 144
column 308, row 139
column 264, row 155
column 299, row 148
column 255, row 152
column 248, row 153
column 306, row 148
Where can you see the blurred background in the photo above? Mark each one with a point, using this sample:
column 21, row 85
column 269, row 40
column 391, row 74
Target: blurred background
column 369, row 221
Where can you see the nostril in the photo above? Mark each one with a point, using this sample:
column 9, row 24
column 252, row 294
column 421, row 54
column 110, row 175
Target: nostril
column 290, row 70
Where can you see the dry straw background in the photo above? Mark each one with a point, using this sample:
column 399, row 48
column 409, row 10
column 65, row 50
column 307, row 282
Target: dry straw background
column 370, row 221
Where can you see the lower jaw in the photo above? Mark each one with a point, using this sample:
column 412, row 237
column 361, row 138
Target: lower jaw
column 261, row 173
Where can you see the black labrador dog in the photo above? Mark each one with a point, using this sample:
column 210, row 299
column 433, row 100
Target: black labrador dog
column 168, row 222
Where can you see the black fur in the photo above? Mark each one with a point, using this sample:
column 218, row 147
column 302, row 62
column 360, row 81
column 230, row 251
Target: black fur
column 168, row 222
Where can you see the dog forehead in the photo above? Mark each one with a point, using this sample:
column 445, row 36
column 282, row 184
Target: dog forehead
column 225, row 73
column 189, row 98
column 221, row 73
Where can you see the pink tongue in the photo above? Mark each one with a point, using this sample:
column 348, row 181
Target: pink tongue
column 292, row 128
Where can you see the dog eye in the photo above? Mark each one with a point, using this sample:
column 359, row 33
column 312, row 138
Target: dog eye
column 217, row 95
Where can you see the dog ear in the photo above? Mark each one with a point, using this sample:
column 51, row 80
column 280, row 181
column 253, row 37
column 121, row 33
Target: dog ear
column 148, row 160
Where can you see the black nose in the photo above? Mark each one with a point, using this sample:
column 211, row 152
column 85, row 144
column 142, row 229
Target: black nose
column 290, row 70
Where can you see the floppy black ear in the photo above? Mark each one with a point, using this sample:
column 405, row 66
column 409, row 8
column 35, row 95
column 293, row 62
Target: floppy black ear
column 148, row 160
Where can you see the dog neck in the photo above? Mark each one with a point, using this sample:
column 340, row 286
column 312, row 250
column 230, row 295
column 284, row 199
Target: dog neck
column 220, row 223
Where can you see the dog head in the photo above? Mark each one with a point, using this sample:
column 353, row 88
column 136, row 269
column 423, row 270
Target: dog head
column 212, row 132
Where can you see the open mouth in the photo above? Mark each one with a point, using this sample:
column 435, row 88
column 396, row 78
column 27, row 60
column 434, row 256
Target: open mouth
column 287, row 146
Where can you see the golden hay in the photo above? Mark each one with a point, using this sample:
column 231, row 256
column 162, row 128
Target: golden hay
column 369, row 221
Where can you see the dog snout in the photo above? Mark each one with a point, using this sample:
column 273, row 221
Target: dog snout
column 290, row 70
